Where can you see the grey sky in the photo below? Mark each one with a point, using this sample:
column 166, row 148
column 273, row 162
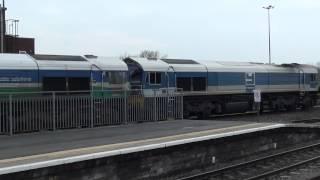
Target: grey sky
column 202, row 29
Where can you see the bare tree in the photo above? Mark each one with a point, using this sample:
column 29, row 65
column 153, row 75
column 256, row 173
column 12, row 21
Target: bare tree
column 124, row 56
column 149, row 54
column 165, row 56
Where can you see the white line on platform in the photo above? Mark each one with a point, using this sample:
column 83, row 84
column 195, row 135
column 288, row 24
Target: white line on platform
column 68, row 160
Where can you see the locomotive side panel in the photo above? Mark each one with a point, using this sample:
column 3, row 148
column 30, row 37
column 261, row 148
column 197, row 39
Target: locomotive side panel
column 18, row 73
column 19, row 81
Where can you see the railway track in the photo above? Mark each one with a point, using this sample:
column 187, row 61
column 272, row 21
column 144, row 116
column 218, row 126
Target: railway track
column 310, row 116
column 308, row 121
column 297, row 163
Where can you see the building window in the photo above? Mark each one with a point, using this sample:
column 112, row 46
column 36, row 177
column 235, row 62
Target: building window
column 154, row 78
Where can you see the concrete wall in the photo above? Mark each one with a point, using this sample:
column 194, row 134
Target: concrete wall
column 174, row 162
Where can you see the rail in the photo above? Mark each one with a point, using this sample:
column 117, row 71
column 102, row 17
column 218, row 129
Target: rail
column 265, row 173
column 284, row 169
column 40, row 111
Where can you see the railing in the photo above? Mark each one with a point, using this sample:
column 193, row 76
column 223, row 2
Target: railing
column 31, row 112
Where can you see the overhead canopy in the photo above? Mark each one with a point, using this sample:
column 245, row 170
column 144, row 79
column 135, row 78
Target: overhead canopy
column 17, row 61
column 108, row 63
column 151, row 65
column 62, row 62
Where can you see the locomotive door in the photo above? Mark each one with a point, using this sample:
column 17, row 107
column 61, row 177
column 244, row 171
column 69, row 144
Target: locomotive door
column 171, row 78
column 250, row 80
column 301, row 80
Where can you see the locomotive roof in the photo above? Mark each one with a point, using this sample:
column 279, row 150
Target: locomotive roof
column 151, row 64
column 179, row 61
column 228, row 66
column 57, row 57
column 17, row 61
column 308, row 68
column 62, row 62
column 185, row 65
column 108, row 63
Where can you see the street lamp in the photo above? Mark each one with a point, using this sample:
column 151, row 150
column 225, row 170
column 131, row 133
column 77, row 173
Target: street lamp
column 268, row 8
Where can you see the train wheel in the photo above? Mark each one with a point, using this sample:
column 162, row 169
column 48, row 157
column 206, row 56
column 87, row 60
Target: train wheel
column 307, row 103
column 291, row 107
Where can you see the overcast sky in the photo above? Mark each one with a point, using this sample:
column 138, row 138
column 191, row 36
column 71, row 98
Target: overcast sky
column 227, row 30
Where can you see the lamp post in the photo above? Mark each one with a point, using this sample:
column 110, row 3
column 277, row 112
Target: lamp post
column 2, row 26
column 269, row 29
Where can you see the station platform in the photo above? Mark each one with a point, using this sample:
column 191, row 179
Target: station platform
column 45, row 149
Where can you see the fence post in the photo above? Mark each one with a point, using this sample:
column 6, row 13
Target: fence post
column 154, row 105
column 10, row 115
column 181, row 105
column 125, row 121
column 91, row 110
column 167, row 104
column 54, row 111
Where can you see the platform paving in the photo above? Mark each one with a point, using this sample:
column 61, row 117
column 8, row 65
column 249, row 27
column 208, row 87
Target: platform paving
column 68, row 146
column 46, row 142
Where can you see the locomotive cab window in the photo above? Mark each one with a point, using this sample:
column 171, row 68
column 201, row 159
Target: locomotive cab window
column 155, row 78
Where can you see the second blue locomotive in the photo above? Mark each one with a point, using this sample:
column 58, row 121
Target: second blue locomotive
column 211, row 87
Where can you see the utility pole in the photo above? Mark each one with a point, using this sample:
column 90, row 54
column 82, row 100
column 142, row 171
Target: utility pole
column 2, row 26
column 269, row 29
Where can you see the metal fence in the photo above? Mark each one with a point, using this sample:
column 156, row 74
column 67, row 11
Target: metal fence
column 30, row 112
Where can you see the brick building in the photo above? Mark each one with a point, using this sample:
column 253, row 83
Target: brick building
column 15, row 44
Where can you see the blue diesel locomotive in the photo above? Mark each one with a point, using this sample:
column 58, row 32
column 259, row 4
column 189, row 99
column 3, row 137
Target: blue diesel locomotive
column 209, row 87
column 25, row 73
column 227, row 87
